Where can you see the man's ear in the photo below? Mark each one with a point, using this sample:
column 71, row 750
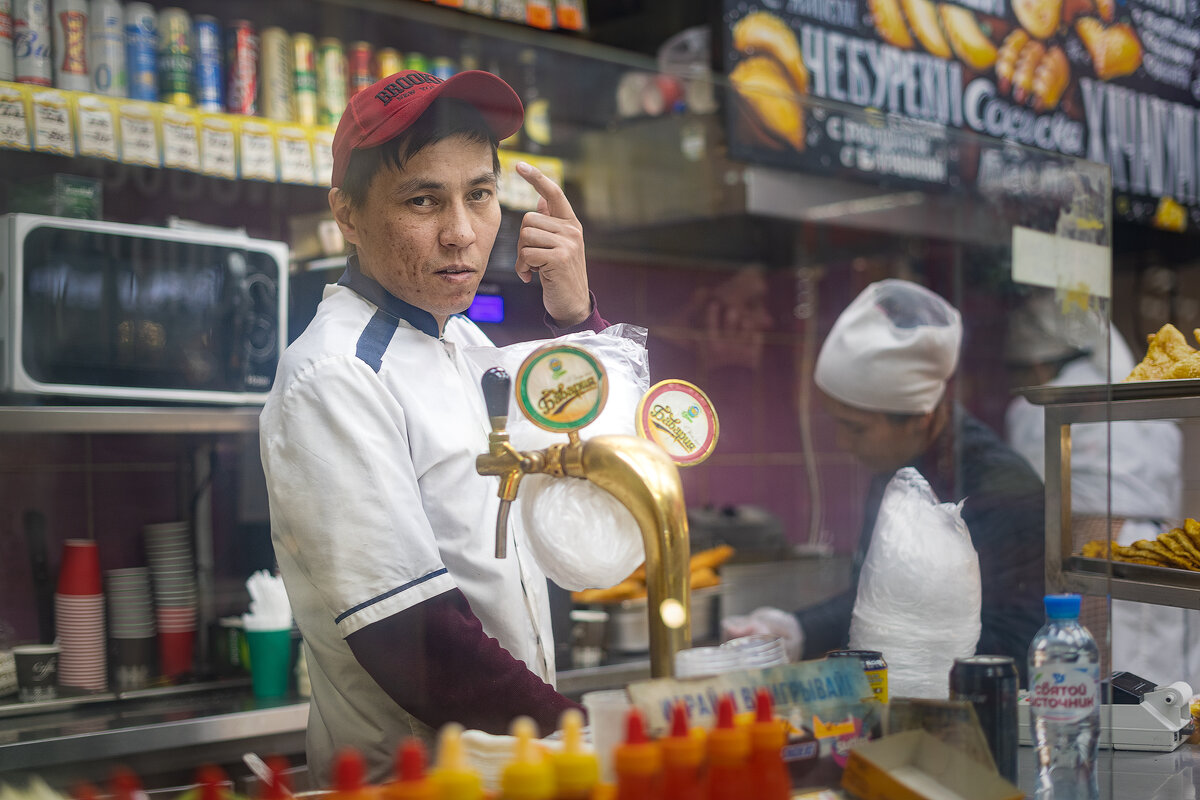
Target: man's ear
column 343, row 215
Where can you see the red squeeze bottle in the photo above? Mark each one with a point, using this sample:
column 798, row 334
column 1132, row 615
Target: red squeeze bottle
column 683, row 757
column 278, row 788
column 728, row 757
column 412, row 782
column 210, row 777
column 637, row 762
column 769, row 777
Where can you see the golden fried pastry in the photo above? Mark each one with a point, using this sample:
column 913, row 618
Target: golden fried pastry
column 703, row 578
column 625, row 590
column 766, row 89
column 711, row 558
column 1192, row 528
column 1006, row 60
column 1186, row 367
column 762, row 33
column 1097, row 548
column 1177, row 539
column 1027, row 63
column 923, row 19
column 1164, row 349
column 1039, row 17
column 1115, row 50
column 889, row 23
column 967, row 39
column 1050, row 79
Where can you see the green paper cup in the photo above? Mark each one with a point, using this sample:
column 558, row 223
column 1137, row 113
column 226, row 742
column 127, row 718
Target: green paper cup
column 270, row 662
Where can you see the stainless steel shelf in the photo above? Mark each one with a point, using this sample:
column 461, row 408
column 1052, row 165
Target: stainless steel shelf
column 128, row 419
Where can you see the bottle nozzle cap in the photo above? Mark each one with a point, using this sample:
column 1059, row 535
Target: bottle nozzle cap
column 763, row 708
column 1062, row 606
column 410, row 764
column 679, row 720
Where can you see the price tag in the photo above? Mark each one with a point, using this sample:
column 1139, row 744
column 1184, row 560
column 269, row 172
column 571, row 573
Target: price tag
column 570, row 14
column 680, row 419
column 218, row 151
column 323, row 155
column 52, row 123
column 181, row 140
column 295, row 155
column 139, row 135
column 539, row 14
column 14, row 120
column 96, row 129
column 257, row 151
column 561, row 388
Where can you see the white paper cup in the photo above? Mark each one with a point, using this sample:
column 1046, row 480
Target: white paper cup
column 607, row 713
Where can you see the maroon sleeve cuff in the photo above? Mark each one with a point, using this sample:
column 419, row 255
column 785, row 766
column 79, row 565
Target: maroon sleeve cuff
column 436, row 662
column 594, row 322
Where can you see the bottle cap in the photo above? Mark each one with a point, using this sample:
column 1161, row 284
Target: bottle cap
column 728, row 745
column 576, row 770
column 278, row 788
column 528, row 776
column 766, row 732
column 210, row 777
column 453, row 775
column 411, row 781
column 349, row 770
column 1062, row 606
column 681, row 748
column 638, row 755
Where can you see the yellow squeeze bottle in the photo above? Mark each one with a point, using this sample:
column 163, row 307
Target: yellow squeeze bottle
column 529, row 775
column 453, row 777
column 576, row 770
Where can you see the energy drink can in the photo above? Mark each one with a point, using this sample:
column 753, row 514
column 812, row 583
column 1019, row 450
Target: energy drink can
column 359, row 61
column 241, row 68
column 416, row 61
column 990, row 684
column 874, row 667
column 7, row 66
column 276, row 67
column 210, row 87
column 443, row 67
column 388, row 62
column 176, row 61
column 70, row 23
column 141, row 51
column 31, row 41
column 106, row 47
column 331, row 81
column 304, row 78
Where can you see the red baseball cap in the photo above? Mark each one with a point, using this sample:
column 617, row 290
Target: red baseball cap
column 387, row 107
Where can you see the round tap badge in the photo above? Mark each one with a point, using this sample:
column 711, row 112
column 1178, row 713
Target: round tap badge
column 680, row 419
column 561, row 388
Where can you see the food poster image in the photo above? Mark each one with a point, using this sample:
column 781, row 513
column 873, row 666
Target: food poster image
column 1111, row 81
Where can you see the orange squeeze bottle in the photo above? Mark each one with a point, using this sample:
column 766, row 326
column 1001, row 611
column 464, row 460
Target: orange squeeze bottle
column 637, row 762
column 728, row 756
column 576, row 771
column 768, row 774
column 411, row 783
column 683, row 759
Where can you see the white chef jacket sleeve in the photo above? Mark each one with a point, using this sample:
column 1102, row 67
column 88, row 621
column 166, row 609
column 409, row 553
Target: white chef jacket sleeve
column 344, row 496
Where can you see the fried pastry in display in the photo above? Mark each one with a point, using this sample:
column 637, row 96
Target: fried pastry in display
column 767, row 91
column 702, row 573
column 1178, row 548
column 1184, row 368
column 1006, row 59
column 923, row 19
column 762, row 33
column 1027, row 62
column 1164, row 350
column 1050, row 79
column 889, row 23
column 967, row 39
column 1039, row 17
column 1115, row 50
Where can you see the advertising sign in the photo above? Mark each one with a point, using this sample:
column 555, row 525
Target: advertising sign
column 1111, row 81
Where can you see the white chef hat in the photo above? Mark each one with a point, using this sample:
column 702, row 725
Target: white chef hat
column 891, row 350
column 1044, row 330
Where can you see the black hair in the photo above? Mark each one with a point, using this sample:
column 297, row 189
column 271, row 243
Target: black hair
column 444, row 118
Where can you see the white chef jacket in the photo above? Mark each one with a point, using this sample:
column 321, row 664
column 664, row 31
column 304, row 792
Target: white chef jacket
column 1158, row 643
column 368, row 439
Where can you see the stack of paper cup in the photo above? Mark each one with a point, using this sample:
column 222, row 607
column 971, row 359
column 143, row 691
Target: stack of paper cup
column 173, row 569
column 79, row 617
column 131, row 626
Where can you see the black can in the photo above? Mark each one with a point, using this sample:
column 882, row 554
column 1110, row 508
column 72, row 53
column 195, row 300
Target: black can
column 990, row 684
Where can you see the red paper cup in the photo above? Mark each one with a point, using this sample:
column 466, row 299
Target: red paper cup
column 79, row 572
column 175, row 652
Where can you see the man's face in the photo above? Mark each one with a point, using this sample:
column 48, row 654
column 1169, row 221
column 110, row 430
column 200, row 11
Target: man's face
column 425, row 232
column 878, row 442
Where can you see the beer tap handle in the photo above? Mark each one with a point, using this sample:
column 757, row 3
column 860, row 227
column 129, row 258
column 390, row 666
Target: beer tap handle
column 496, row 385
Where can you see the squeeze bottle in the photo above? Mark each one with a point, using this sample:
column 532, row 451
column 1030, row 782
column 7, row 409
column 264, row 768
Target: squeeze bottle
column 453, row 776
column 576, row 770
column 683, row 758
column 637, row 762
column 769, row 777
column 529, row 775
column 728, row 756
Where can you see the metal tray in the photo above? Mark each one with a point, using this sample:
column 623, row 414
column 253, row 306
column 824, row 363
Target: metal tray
column 1099, row 393
column 1164, row 576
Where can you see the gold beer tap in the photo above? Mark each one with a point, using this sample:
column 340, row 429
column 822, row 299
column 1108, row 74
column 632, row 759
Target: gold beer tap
column 641, row 476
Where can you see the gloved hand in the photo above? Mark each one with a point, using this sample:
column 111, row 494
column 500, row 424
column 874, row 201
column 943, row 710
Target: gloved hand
column 767, row 621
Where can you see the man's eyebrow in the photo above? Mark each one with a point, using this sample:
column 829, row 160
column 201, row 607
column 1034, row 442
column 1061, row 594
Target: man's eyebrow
column 415, row 185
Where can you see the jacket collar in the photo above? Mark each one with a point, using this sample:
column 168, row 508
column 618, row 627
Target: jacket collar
column 370, row 289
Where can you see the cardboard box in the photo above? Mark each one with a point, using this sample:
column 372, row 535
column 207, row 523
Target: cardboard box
column 916, row 765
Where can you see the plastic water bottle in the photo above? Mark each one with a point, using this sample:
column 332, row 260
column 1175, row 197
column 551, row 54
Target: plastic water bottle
column 1064, row 698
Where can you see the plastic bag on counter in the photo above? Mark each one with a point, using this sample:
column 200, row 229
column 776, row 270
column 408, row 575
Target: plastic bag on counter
column 919, row 592
column 579, row 534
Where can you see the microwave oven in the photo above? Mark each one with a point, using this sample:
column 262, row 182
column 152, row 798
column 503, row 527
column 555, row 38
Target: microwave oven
column 109, row 311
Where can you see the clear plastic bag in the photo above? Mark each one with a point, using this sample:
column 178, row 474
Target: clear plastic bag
column 919, row 592
column 579, row 534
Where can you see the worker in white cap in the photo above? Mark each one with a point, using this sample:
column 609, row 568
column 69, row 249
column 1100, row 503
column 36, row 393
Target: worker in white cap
column 1049, row 344
column 884, row 371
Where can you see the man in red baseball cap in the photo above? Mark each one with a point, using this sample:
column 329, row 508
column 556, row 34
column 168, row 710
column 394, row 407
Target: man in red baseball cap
column 382, row 528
